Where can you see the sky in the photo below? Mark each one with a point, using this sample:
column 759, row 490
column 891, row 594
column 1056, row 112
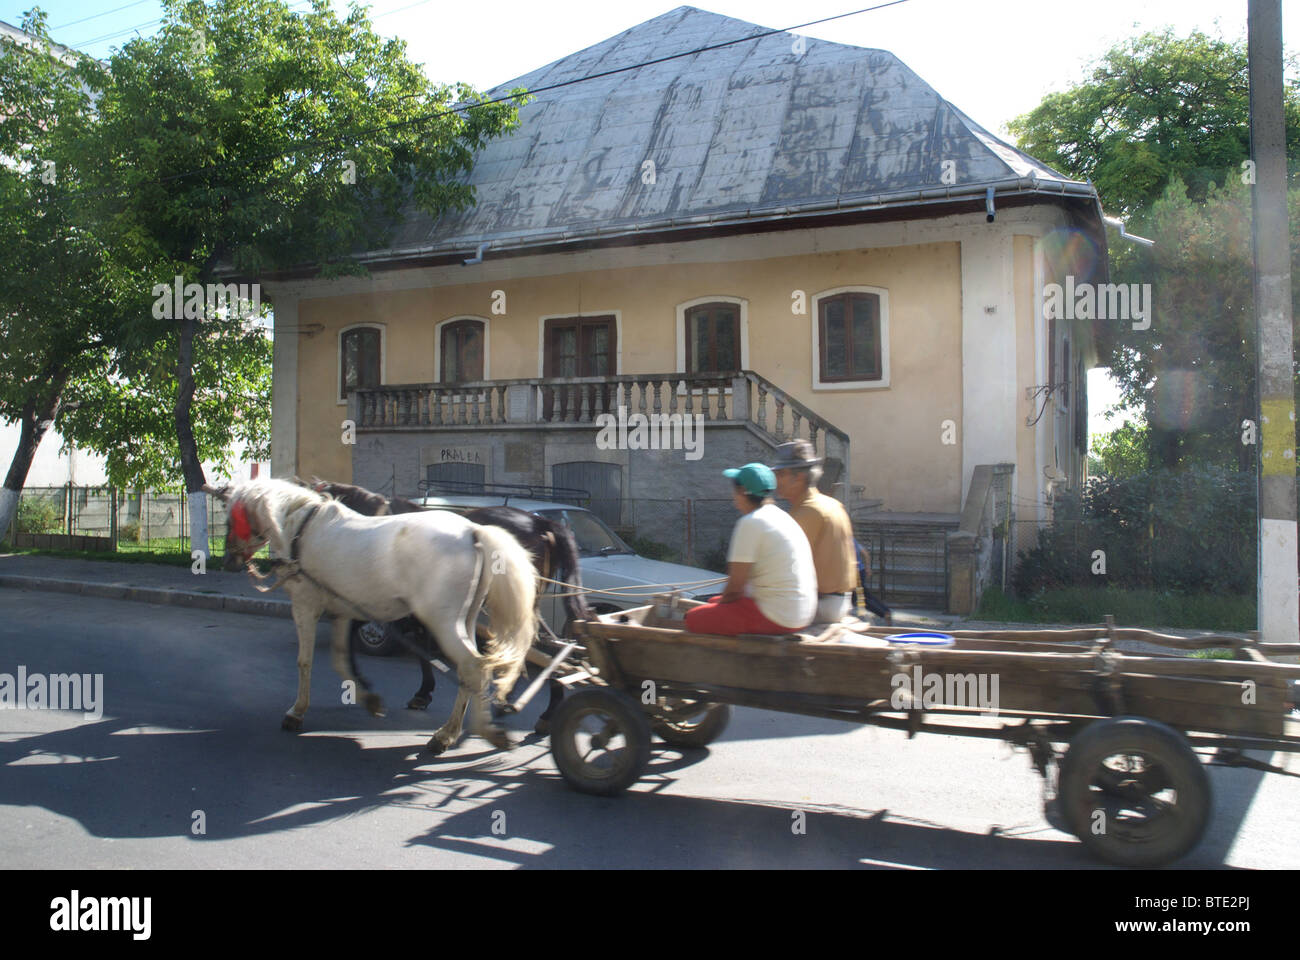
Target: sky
column 993, row 61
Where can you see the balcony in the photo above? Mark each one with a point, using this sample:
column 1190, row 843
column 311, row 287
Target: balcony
column 744, row 400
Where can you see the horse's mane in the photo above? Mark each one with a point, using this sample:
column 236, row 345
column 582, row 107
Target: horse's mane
column 273, row 501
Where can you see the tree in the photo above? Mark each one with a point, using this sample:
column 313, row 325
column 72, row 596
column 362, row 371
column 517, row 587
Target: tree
column 1155, row 108
column 1162, row 127
column 242, row 138
column 126, row 416
column 58, row 292
column 1123, row 451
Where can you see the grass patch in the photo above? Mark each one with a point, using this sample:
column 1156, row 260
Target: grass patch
column 1131, row 608
column 173, row 552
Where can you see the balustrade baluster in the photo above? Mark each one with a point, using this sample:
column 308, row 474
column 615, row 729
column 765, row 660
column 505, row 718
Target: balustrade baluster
column 584, row 413
column 780, row 418
column 762, row 408
column 658, row 400
column 795, row 420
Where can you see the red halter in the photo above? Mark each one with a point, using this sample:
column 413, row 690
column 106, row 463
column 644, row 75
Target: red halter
column 239, row 522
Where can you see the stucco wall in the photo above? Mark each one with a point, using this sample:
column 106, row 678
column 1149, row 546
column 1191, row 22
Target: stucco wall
column 896, row 450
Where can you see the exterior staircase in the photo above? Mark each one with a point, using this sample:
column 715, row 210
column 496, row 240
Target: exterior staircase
column 909, row 555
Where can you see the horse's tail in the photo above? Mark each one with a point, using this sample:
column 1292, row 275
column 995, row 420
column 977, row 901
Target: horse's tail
column 510, row 601
column 567, row 570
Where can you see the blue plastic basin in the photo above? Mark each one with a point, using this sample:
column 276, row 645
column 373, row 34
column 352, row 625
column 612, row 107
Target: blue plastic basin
column 924, row 638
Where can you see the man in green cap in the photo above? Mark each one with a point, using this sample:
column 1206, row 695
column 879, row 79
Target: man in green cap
column 771, row 581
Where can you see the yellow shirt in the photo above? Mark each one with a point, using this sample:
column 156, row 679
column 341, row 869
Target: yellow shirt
column 826, row 524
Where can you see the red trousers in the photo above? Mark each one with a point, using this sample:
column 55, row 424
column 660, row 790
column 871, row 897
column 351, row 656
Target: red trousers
column 729, row 619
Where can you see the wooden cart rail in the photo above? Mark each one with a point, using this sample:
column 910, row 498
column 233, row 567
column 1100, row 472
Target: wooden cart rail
column 1249, row 697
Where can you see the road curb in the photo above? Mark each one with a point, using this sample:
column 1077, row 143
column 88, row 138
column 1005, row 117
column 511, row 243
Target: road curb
column 256, row 606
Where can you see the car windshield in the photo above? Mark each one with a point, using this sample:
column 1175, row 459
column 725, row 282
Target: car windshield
column 594, row 538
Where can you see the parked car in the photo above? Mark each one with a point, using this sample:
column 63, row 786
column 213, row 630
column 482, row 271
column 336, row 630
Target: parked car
column 605, row 559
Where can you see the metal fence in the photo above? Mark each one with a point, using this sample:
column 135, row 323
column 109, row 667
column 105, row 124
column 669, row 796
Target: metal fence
column 691, row 530
column 148, row 519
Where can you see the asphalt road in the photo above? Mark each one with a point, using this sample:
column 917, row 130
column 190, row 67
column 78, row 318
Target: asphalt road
column 191, row 722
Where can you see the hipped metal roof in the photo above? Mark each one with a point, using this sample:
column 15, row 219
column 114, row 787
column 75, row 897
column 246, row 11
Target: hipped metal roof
column 748, row 132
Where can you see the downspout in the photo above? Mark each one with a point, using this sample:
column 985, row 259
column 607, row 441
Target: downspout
column 478, row 257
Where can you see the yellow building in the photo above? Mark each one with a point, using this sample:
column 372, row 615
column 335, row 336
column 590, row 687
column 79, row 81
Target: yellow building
column 778, row 237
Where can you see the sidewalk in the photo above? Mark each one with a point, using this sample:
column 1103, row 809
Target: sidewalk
column 235, row 593
column 144, row 582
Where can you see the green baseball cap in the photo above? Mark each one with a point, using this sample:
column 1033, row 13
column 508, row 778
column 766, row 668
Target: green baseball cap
column 755, row 478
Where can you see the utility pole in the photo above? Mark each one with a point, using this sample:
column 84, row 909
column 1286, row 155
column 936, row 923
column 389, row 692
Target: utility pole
column 1279, row 600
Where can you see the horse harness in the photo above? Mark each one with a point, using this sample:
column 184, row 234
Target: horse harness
column 295, row 562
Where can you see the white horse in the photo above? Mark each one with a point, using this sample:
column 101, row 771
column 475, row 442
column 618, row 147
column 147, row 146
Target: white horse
column 436, row 565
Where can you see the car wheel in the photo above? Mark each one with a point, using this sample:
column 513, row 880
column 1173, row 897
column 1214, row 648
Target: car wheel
column 375, row 639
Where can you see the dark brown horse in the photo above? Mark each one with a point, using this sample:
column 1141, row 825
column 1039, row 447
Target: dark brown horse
column 550, row 544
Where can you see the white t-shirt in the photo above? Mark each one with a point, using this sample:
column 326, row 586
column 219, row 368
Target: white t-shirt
column 783, row 580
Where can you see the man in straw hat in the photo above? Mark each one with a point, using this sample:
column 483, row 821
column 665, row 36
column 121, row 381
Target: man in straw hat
column 824, row 522
column 771, row 584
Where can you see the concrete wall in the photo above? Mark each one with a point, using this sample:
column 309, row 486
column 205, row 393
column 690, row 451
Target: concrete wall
column 657, row 481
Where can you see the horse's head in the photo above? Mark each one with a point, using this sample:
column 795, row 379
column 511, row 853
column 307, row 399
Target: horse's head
column 247, row 526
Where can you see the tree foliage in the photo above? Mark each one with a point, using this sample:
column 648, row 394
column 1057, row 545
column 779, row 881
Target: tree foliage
column 1153, row 109
column 1123, row 451
column 1161, row 127
column 243, row 138
column 1190, row 530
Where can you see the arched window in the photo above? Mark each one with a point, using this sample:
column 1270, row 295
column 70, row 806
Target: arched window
column 462, row 350
column 851, row 338
column 360, row 358
column 712, row 335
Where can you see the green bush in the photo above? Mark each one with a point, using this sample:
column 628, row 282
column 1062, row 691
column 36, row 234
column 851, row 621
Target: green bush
column 39, row 515
column 1130, row 608
column 715, row 560
column 129, row 531
column 653, row 549
column 1188, row 531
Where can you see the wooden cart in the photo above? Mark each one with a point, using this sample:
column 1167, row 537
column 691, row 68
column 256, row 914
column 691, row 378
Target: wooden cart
column 1120, row 730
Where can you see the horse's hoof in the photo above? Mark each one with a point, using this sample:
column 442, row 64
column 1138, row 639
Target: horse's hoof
column 375, row 704
column 498, row 738
column 418, row 703
column 435, row 746
column 291, row 723
column 542, row 726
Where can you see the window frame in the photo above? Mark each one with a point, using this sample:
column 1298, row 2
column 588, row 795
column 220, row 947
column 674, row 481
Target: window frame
column 544, row 325
column 341, row 397
column 438, row 329
column 742, row 328
column 815, row 315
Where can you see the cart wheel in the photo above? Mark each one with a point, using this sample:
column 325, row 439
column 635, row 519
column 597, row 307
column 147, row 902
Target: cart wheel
column 600, row 739
column 698, row 729
column 1134, row 792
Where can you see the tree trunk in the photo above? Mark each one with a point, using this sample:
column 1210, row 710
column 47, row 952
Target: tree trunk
column 190, row 464
column 38, row 414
